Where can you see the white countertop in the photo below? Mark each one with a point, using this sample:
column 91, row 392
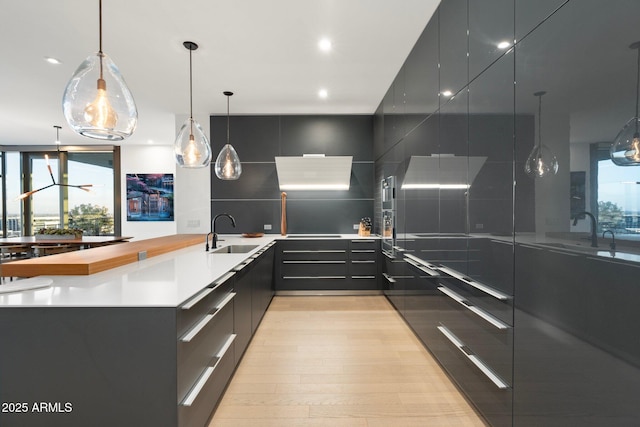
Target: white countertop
column 163, row 281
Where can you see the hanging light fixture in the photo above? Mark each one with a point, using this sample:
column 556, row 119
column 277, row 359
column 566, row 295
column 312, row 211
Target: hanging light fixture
column 228, row 165
column 192, row 148
column 541, row 161
column 107, row 111
column 84, row 187
column 625, row 150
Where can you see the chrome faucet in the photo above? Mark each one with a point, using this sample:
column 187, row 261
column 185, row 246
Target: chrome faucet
column 214, row 243
column 612, row 245
column 594, row 227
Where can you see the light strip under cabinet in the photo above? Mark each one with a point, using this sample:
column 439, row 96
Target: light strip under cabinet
column 478, row 311
column 499, row 382
column 197, row 388
column 480, row 286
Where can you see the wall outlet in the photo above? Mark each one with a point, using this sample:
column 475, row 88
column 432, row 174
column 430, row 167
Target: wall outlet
column 356, row 226
column 267, row 226
column 193, row 223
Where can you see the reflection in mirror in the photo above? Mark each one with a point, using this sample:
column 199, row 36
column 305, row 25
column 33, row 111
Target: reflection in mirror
column 441, row 171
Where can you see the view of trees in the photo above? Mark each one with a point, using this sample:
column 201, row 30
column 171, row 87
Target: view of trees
column 610, row 216
column 93, row 219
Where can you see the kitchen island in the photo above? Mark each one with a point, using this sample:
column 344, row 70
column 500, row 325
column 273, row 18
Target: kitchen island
column 147, row 343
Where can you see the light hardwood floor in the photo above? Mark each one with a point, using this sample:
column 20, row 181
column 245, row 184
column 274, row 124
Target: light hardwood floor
column 339, row 361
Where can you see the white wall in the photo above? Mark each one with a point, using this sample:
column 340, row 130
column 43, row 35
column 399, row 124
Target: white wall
column 145, row 159
column 192, row 187
column 193, row 190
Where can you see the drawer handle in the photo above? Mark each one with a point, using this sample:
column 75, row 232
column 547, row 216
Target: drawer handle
column 363, row 241
column 223, row 279
column 313, row 277
column 363, row 277
column 315, row 252
column 499, row 382
column 313, row 262
column 193, row 301
column 389, row 278
column 199, row 385
column 189, row 336
column 363, row 251
column 363, row 261
column 422, row 268
column 388, row 255
column 479, row 286
column 478, row 311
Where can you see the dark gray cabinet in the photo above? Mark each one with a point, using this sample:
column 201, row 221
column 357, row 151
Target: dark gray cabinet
column 327, row 264
column 254, row 291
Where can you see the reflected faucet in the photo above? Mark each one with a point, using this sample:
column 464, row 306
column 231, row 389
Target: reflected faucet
column 612, row 245
column 594, row 227
column 214, row 243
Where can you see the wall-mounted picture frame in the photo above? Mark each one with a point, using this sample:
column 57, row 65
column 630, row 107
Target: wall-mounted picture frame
column 150, row 197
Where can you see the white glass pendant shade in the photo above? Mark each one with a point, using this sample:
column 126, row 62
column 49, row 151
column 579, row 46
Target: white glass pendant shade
column 228, row 166
column 192, row 147
column 541, row 162
column 97, row 102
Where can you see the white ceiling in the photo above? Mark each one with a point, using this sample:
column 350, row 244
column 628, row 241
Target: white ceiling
column 264, row 51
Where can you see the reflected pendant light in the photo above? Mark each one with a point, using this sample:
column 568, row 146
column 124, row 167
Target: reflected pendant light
column 84, row 187
column 97, row 102
column 541, row 161
column 228, row 165
column 192, row 147
column 625, row 150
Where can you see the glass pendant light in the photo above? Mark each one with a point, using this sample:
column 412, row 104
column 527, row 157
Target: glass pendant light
column 541, row 161
column 625, row 150
column 192, row 147
column 97, row 102
column 228, row 165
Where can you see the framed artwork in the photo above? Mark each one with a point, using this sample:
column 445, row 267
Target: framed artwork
column 150, row 197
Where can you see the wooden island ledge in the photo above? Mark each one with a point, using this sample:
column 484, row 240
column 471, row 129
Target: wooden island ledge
column 94, row 260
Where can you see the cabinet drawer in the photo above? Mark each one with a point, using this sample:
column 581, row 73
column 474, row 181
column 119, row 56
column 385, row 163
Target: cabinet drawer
column 314, row 255
column 364, row 244
column 314, row 268
column 363, row 254
column 492, row 343
column 194, row 309
column 363, row 268
column 202, row 342
column 316, row 244
column 196, row 408
column 364, row 283
column 319, row 283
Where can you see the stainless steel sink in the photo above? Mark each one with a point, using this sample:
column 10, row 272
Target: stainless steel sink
column 234, row 249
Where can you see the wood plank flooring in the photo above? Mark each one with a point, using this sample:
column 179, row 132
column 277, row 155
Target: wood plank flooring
column 339, row 361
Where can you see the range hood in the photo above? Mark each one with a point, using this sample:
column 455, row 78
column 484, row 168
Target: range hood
column 314, row 172
column 442, row 172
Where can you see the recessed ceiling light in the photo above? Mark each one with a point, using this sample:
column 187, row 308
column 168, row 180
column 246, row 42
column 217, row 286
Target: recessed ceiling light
column 322, row 93
column 324, row 45
column 503, row 45
column 447, row 93
column 52, row 60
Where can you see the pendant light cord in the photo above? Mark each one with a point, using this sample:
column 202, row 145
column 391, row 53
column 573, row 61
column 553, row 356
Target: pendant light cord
column 100, row 37
column 637, row 88
column 228, row 118
column 540, row 120
column 191, row 91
